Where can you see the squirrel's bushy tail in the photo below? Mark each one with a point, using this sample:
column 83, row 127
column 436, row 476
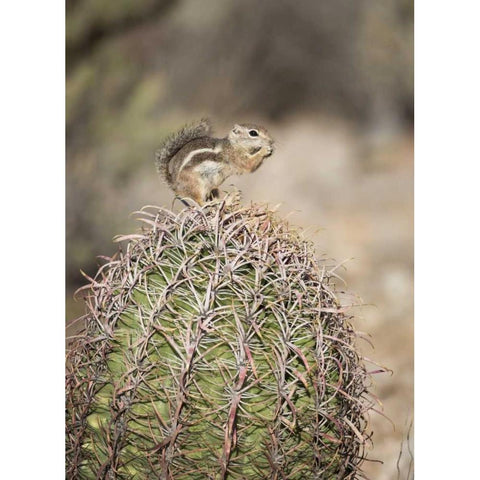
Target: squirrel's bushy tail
column 175, row 142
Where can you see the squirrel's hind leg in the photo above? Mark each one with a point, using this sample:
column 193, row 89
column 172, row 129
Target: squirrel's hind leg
column 191, row 189
column 214, row 194
column 230, row 199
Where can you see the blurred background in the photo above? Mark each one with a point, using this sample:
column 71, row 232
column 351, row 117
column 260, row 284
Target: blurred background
column 332, row 80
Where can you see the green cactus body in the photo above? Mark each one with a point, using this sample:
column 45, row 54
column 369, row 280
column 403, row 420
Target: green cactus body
column 215, row 348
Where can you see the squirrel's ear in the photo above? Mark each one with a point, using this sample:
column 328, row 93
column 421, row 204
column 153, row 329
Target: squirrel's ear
column 236, row 129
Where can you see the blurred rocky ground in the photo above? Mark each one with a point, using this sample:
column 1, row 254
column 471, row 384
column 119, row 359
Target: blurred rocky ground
column 333, row 82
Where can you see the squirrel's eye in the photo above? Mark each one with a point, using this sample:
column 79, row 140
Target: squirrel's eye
column 253, row 133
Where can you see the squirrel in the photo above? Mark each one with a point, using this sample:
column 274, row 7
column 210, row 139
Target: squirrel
column 194, row 164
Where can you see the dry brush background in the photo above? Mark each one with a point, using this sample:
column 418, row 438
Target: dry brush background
column 333, row 82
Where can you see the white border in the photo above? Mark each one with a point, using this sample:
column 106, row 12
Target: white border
column 32, row 42
column 447, row 238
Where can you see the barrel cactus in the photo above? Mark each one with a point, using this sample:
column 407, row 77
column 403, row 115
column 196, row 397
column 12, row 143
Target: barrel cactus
column 215, row 348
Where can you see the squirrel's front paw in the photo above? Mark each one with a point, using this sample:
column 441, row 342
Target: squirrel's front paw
column 266, row 151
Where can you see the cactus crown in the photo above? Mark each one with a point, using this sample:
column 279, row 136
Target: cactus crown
column 215, row 348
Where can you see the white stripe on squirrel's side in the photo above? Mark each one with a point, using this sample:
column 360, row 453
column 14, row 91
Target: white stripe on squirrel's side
column 187, row 159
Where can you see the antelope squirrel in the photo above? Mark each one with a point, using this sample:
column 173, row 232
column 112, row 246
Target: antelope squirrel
column 194, row 164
